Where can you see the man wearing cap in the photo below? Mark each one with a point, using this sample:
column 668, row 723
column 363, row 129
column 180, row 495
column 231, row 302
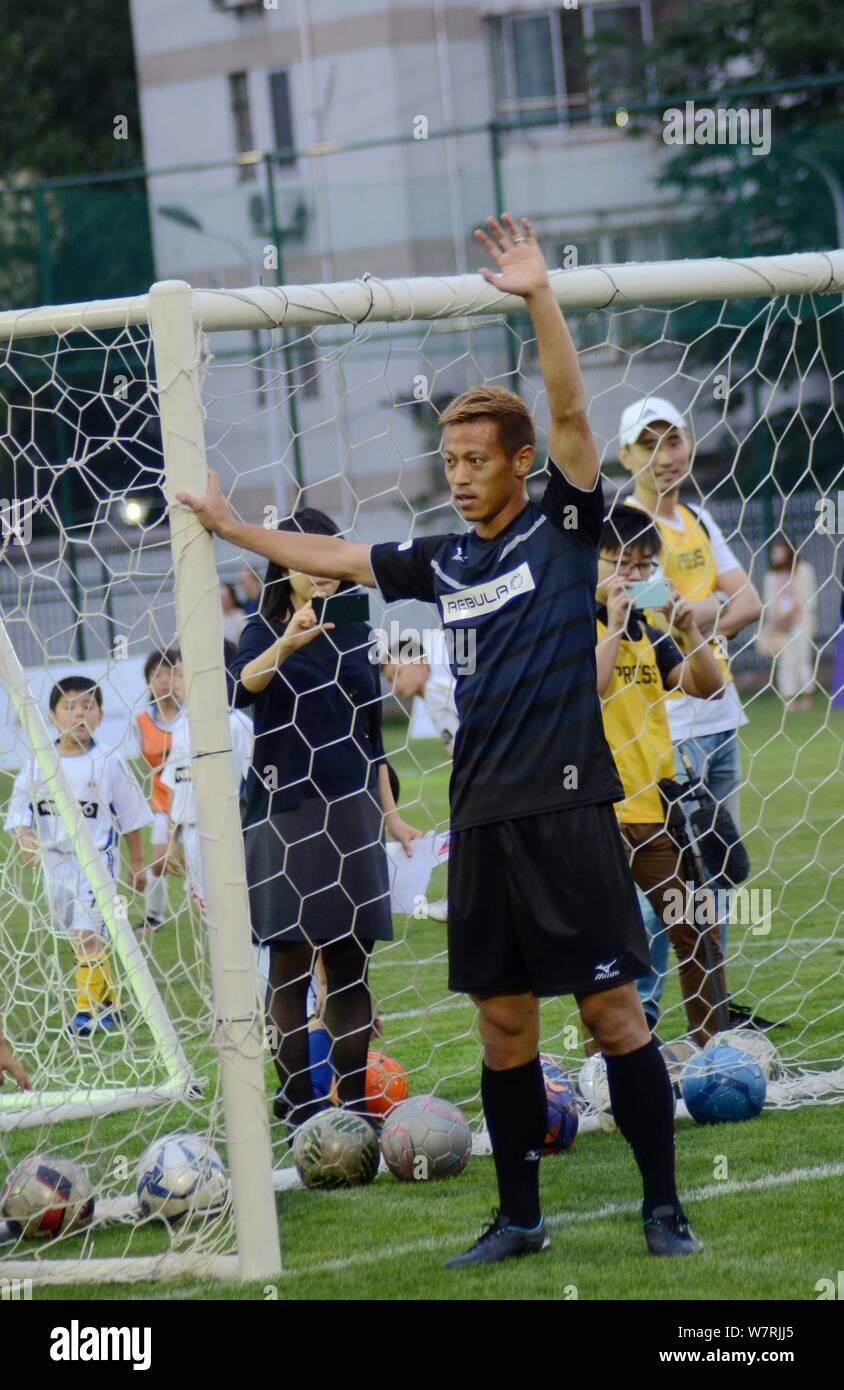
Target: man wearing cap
column 655, row 447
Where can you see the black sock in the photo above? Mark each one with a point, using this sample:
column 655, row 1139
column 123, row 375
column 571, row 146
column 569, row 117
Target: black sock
column 643, row 1108
column 516, row 1118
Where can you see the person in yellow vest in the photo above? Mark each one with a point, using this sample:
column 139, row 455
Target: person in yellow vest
column 153, row 740
column 637, row 664
column 655, row 448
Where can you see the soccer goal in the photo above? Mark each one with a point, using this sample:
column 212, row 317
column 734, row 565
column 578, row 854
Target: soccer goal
column 110, row 408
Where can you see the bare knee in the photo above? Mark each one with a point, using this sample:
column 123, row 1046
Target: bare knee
column 509, row 1028
column 615, row 1019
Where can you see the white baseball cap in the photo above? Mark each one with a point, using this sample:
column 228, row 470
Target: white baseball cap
column 637, row 417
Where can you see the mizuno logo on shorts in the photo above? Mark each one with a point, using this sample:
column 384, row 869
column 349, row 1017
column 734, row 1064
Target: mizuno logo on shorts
column 604, row 969
column 487, row 598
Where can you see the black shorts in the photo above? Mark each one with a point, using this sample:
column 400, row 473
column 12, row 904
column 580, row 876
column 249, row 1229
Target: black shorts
column 544, row 905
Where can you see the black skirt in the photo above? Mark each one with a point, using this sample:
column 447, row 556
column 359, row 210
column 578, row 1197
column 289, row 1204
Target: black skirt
column 318, row 872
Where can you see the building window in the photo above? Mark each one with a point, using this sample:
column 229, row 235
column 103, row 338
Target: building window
column 563, row 61
column 282, row 116
column 242, row 120
column 618, row 36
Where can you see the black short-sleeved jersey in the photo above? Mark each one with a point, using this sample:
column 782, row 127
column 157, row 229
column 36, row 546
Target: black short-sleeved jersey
column 531, row 737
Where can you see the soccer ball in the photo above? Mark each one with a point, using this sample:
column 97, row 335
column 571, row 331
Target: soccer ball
column 723, row 1084
column 47, row 1195
column 335, row 1148
column 563, row 1116
column 677, row 1055
column 426, row 1137
column 180, row 1176
column 386, row 1083
column 593, row 1084
column 759, row 1047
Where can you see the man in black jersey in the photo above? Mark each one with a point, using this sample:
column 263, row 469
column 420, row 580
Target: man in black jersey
column 541, row 901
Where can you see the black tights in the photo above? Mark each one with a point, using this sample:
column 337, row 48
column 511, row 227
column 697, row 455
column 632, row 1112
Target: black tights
column 348, row 1018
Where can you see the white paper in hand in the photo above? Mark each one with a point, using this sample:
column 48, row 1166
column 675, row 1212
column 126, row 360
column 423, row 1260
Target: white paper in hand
column 409, row 878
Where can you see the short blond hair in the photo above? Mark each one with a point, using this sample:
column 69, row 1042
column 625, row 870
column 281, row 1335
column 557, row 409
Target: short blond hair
column 514, row 420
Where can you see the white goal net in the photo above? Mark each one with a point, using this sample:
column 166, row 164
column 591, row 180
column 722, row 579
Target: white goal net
column 327, row 397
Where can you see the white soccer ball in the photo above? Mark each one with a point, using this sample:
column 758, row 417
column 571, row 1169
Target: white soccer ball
column 677, row 1054
column 593, row 1084
column 760, row 1048
column 48, row 1195
column 181, row 1176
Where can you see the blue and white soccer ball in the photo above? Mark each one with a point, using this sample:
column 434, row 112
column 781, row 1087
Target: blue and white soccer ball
column 593, row 1085
column 181, row 1176
column 760, row 1047
column 723, row 1083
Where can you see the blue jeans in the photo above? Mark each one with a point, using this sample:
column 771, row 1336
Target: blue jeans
column 715, row 760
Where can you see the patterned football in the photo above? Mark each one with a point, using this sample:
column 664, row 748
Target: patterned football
column 723, row 1084
column 181, row 1176
column 563, row 1115
column 386, row 1083
column 336, row 1148
column 47, row 1195
column 426, row 1137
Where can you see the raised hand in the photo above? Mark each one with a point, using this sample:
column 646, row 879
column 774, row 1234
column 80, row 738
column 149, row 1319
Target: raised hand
column 212, row 509
column 618, row 604
column 398, row 829
column 682, row 619
column 516, row 253
column 302, row 629
column 9, row 1063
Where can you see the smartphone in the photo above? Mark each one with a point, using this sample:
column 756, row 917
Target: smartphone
column 341, row 608
column 649, row 593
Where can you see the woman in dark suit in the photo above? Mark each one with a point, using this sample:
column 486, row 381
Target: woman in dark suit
column 316, row 799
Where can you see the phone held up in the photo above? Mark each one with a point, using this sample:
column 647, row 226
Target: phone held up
column 649, row 593
column 341, row 608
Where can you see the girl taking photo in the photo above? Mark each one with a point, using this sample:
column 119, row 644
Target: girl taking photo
column 316, row 800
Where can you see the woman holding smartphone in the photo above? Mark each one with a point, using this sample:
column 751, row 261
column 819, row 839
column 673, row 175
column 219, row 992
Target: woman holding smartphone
column 316, row 799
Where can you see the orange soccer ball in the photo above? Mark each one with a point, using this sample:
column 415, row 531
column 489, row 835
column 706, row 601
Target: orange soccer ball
column 386, row 1083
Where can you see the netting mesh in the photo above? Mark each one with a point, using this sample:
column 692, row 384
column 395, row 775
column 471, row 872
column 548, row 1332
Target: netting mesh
column 343, row 418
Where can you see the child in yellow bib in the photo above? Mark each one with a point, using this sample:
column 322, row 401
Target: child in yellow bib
column 638, row 665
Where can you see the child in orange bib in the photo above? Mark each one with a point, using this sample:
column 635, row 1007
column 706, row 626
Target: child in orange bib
column 153, row 738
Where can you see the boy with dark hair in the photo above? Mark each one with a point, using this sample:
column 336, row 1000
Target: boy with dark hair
column 637, row 664
column 113, row 804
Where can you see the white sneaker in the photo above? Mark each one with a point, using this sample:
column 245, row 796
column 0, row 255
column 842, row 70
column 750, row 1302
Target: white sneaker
column 438, row 912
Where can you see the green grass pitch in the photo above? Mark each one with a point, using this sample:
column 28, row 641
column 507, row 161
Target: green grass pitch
column 763, row 1196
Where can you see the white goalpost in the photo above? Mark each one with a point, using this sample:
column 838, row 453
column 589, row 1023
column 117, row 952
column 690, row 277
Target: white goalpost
column 196, row 1057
